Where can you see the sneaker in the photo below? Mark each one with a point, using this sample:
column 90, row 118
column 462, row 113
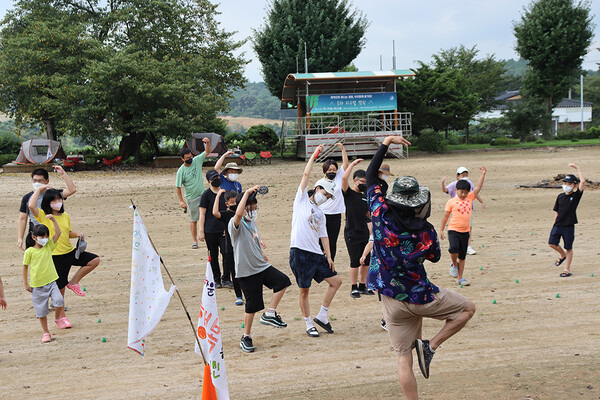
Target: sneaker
column 273, row 321
column 355, row 294
column 463, row 282
column 453, row 271
column 424, row 354
column 239, row 301
column 471, row 251
column 227, row 284
column 367, row 291
column 383, row 324
column 246, row 344
column 218, row 285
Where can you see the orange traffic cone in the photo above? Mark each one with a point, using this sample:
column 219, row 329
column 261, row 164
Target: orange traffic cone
column 208, row 389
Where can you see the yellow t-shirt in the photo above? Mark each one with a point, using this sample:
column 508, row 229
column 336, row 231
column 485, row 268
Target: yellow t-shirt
column 63, row 245
column 41, row 266
column 461, row 213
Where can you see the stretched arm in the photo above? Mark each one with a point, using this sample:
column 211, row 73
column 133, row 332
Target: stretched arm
column 344, row 155
column 479, row 199
column 348, row 173
column 25, row 281
column 443, row 224
column 34, row 199
column 581, row 178
column 239, row 211
column 182, row 202
column 215, row 209
column 201, row 220
column 71, row 189
column 308, row 168
column 373, row 170
column 479, row 184
column 221, row 160
column 444, row 185
column 206, row 145
column 56, row 228
column 21, row 224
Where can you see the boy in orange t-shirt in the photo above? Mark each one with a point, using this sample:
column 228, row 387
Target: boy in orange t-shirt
column 460, row 207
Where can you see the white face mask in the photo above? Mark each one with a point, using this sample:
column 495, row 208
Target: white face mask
column 567, row 188
column 56, row 206
column 252, row 215
column 36, row 185
column 233, row 177
column 42, row 242
column 384, row 177
column 320, row 198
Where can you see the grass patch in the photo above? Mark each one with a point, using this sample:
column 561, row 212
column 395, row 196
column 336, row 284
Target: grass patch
column 543, row 143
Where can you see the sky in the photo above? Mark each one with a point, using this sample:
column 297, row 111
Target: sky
column 419, row 29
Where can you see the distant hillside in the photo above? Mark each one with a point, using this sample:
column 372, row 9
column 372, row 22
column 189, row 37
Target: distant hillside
column 254, row 101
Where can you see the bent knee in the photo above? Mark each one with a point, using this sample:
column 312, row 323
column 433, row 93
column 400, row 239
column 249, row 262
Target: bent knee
column 470, row 308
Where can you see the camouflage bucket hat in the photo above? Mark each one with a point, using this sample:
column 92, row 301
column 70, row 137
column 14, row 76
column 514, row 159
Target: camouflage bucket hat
column 405, row 191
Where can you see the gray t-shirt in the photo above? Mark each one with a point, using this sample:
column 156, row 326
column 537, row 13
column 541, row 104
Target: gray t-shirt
column 247, row 252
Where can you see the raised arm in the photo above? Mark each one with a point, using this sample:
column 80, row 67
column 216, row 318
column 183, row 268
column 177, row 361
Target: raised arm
column 344, row 156
column 216, row 212
column 221, row 160
column 34, row 199
column 308, row 168
column 444, row 185
column 56, row 228
column 348, row 173
column 373, row 170
column 581, row 178
column 206, row 146
column 241, row 207
column 479, row 184
column 71, row 189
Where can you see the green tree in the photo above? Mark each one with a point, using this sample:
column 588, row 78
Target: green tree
column 553, row 36
column 332, row 32
column 524, row 117
column 260, row 137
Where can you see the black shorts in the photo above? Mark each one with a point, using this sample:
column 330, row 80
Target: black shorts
column 307, row 266
column 63, row 264
column 566, row 232
column 355, row 251
column 252, row 287
column 459, row 241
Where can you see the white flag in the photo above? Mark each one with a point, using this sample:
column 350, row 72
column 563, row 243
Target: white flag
column 209, row 333
column 148, row 298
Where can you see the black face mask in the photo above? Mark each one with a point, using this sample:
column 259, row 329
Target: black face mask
column 216, row 182
column 188, row 161
column 233, row 207
column 362, row 187
column 331, row 175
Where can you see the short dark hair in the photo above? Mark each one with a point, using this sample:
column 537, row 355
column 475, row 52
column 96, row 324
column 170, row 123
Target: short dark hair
column 328, row 163
column 41, row 172
column 251, row 199
column 359, row 174
column 463, row 185
column 49, row 196
column 185, row 151
column 229, row 194
column 40, row 230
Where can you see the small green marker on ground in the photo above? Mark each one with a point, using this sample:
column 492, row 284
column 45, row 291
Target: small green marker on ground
column 242, row 326
column 461, row 286
column 558, row 295
column 83, row 289
column 481, row 268
column 494, row 302
column 483, row 245
column 516, row 281
column 592, row 275
column 99, row 320
column 222, row 308
column 103, row 340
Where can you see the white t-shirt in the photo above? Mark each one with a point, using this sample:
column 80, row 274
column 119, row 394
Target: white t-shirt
column 337, row 205
column 308, row 224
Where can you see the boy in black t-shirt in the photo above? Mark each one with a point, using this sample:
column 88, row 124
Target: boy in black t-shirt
column 358, row 228
column 227, row 249
column 566, row 218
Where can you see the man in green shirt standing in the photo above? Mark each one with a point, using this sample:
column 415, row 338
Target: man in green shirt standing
column 190, row 176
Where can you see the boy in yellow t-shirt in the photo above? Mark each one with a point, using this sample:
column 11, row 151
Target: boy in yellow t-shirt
column 460, row 207
column 42, row 274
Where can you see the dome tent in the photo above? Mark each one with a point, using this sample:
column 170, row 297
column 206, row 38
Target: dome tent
column 39, row 151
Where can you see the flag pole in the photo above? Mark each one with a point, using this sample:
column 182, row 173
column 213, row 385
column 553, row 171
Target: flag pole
column 177, row 291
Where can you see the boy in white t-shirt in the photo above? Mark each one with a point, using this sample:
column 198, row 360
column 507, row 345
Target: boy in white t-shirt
column 306, row 257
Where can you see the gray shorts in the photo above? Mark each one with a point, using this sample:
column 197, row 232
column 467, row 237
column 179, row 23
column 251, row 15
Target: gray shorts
column 40, row 296
column 193, row 206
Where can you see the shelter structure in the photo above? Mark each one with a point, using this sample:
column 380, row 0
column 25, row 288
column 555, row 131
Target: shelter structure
column 39, row 151
column 358, row 109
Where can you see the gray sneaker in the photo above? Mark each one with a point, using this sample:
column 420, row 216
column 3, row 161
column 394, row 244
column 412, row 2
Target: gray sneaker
column 275, row 321
column 246, row 344
column 424, row 354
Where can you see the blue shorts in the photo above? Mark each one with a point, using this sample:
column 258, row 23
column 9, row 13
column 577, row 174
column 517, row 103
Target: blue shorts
column 566, row 232
column 307, row 266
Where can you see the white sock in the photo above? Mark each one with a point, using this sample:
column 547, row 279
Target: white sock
column 429, row 344
column 270, row 312
column 322, row 315
column 309, row 323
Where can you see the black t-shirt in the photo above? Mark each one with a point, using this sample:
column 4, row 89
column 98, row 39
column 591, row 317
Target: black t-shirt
column 566, row 207
column 24, row 208
column 211, row 223
column 357, row 215
column 226, row 215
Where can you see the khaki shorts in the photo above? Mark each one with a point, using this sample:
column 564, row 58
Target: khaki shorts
column 193, row 206
column 404, row 320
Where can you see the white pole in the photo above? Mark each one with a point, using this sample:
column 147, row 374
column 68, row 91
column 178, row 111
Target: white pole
column 581, row 90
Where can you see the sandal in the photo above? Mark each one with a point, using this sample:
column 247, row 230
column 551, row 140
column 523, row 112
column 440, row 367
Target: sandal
column 559, row 261
column 194, row 245
column 463, row 282
column 46, row 337
column 76, row 289
column 565, row 274
column 63, row 323
column 312, row 332
column 326, row 326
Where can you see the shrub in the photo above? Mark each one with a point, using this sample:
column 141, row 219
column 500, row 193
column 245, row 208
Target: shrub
column 233, row 139
column 480, row 139
column 503, row 141
column 593, row 132
column 9, row 144
column 431, row 142
column 260, row 137
column 7, row 158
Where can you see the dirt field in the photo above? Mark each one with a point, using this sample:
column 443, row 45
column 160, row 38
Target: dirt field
column 540, row 338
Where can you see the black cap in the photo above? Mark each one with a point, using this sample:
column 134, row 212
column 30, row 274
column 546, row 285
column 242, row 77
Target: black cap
column 211, row 174
column 570, row 178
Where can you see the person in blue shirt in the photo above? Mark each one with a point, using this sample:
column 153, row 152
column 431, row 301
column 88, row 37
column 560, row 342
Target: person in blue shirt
column 230, row 174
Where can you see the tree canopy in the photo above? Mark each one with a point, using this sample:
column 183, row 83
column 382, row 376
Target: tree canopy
column 332, row 32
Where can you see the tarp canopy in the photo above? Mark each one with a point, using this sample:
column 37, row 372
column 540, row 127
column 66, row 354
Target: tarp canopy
column 217, row 144
column 39, row 151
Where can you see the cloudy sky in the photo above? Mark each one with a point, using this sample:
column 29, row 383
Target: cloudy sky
column 419, row 28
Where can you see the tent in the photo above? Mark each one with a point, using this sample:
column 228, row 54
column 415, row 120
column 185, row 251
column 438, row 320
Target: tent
column 39, row 151
column 217, row 144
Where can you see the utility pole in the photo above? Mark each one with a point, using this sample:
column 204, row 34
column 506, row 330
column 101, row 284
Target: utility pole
column 581, row 98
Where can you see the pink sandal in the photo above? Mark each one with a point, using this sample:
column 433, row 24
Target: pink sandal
column 46, row 337
column 63, row 323
column 76, row 289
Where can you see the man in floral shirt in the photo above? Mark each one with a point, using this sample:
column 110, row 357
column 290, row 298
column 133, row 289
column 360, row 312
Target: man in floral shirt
column 402, row 240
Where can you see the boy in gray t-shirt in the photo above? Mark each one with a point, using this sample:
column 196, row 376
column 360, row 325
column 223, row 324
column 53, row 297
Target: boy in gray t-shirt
column 252, row 268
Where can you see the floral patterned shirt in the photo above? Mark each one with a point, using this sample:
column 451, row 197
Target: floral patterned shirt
column 396, row 268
